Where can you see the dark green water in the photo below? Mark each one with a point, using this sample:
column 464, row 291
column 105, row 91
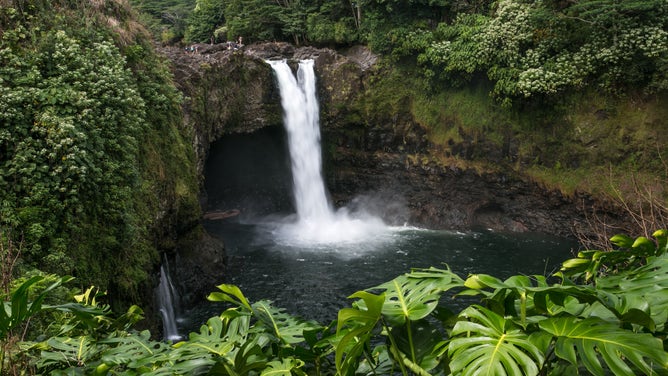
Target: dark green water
column 315, row 281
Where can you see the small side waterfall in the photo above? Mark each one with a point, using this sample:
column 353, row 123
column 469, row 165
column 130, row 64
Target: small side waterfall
column 167, row 303
column 317, row 222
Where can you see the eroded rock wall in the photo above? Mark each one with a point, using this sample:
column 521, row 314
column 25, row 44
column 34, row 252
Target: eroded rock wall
column 385, row 157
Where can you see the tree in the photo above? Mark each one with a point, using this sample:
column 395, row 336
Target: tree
column 543, row 48
column 167, row 19
column 204, row 19
column 255, row 20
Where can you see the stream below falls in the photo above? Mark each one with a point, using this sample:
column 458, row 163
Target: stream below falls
column 314, row 281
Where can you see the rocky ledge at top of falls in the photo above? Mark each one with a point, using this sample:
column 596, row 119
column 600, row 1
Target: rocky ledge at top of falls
column 383, row 156
column 233, row 90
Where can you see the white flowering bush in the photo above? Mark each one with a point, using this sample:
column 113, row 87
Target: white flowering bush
column 70, row 121
column 530, row 48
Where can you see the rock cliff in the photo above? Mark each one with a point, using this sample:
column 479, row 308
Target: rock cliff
column 382, row 155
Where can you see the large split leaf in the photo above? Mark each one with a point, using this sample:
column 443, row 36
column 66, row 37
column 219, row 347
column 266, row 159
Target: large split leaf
column 137, row 352
column 485, row 343
column 415, row 295
column 66, row 352
column 285, row 367
column 415, row 345
column 641, row 294
column 286, row 328
column 355, row 327
column 202, row 351
column 592, row 340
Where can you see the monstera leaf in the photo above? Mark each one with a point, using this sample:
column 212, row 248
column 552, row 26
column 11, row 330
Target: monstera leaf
column 222, row 347
column 641, row 294
column 231, row 294
column 285, row 367
column 631, row 253
column 197, row 355
column 136, row 351
column 416, row 345
column 415, row 295
column 485, row 343
column 286, row 328
column 591, row 340
column 354, row 330
column 64, row 351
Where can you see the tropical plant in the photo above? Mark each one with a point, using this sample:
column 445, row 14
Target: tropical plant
column 20, row 305
column 611, row 321
column 525, row 325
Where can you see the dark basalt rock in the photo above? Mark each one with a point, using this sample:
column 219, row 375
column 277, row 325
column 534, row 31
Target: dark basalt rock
column 234, row 92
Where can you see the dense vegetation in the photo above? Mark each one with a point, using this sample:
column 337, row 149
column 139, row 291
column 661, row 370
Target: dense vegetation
column 87, row 113
column 605, row 312
column 95, row 171
column 527, row 48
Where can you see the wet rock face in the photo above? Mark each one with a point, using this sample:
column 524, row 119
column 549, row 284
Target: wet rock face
column 438, row 197
column 233, row 91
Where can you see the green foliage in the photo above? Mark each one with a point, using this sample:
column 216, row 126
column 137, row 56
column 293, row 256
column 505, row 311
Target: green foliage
column 25, row 303
column 84, row 167
column 486, row 343
column 636, row 253
column 71, row 119
column 527, row 49
column 536, row 48
column 204, row 19
column 167, row 19
column 22, row 304
column 523, row 325
column 588, row 340
column 257, row 20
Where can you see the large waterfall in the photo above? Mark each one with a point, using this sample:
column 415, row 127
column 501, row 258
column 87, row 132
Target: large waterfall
column 300, row 116
column 317, row 222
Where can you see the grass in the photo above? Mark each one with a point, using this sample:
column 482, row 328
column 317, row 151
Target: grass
column 454, row 114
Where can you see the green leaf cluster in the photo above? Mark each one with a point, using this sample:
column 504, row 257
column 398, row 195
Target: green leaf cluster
column 545, row 48
column 527, row 49
column 71, row 121
column 167, row 19
column 85, row 167
column 613, row 322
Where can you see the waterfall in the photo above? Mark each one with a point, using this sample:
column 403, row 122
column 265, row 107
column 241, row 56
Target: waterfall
column 317, row 222
column 300, row 116
column 167, row 303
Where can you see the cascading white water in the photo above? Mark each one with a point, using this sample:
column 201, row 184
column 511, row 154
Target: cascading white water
column 300, row 115
column 317, row 222
column 167, row 300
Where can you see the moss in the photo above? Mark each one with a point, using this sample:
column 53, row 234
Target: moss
column 452, row 114
column 589, row 142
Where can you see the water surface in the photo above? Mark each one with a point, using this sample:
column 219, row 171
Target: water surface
column 315, row 281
